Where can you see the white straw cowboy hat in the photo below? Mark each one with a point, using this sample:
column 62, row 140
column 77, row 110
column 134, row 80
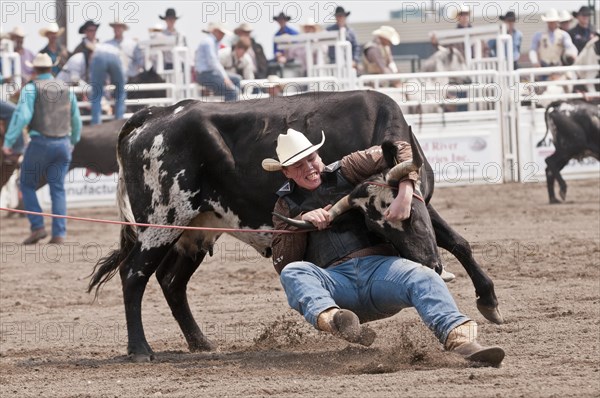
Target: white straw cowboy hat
column 17, row 31
column 118, row 22
column 310, row 22
column 551, row 16
column 389, row 33
column 217, row 26
column 41, row 60
column 156, row 28
column 243, row 27
column 291, row 147
column 52, row 28
column 564, row 16
column 461, row 9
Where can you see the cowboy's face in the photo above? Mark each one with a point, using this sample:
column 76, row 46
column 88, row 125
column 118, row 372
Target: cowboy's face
column 119, row 30
column 170, row 21
column 552, row 25
column 306, row 172
column 310, row 29
column 18, row 40
column 584, row 20
column 51, row 36
column 90, row 33
column 340, row 19
column 463, row 18
column 282, row 22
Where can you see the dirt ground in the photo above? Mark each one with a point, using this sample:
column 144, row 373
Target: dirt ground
column 544, row 259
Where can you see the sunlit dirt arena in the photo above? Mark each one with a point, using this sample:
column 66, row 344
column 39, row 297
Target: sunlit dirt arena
column 544, row 259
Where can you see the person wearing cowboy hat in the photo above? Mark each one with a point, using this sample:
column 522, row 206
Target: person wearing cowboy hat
column 341, row 17
column 340, row 271
column 78, row 66
column 583, row 31
column 132, row 57
column 235, row 59
column 54, row 49
column 284, row 29
column 256, row 51
column 209, row 71
column 564, row 20
column 50, row 110
column 552, row 46
column 378, row 57
column 17, row 35
column 170, row 18
column 509, row 20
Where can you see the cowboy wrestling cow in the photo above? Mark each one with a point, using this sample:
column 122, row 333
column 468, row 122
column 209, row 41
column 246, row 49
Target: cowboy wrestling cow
column 199, row 164
column 575, row 127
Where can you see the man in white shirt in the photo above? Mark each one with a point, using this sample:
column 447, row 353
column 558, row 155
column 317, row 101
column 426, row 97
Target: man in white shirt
column 553, row 46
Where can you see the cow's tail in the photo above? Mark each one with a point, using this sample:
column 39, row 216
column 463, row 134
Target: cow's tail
column 108, row 266
column 549, row 109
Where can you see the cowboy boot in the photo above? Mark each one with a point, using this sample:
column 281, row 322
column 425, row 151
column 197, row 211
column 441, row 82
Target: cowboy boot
column 462, row 340
column 35, row 236
column 346, row 325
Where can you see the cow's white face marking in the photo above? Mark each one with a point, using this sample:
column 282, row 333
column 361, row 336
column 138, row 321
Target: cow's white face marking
column 566, row 108
column 179, row 200
column 177, row 110
column 383, row 198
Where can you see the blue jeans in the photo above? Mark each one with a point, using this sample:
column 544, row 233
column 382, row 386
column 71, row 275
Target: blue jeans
column 103, row 64
column 373, row 287
column 6, row 111
column 215, row 82
column 50, row 158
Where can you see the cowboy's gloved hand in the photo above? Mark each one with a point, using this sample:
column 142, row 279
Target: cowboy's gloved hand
column 399, row 210
column 320, row 218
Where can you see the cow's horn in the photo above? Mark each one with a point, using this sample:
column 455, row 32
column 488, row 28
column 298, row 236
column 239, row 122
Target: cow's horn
column 403, row 169
column 341, row 206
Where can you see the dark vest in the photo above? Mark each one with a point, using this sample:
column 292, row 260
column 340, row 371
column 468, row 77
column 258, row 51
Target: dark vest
column 52, row 108
column 346, row 235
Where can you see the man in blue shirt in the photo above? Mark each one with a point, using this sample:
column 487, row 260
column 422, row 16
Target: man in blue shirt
column 209, row 71
column 583, row 31
column 517, row 37
column 340, row 17
column 50, row 110
column 284, row 29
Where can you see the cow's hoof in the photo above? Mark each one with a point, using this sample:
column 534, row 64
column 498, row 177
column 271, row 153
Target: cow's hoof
column 141, row 358
column 563, row 194
column 492, row 314
column 203, row 344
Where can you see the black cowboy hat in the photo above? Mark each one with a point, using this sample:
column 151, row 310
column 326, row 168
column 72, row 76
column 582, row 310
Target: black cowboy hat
column 340, row 11
column 509, row 17
column 585, row 11
column 170, row 13
column 86, row 25
column 281, row 16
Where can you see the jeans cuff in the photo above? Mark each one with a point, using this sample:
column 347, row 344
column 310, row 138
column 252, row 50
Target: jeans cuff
column 456, row 323
column 317, row 306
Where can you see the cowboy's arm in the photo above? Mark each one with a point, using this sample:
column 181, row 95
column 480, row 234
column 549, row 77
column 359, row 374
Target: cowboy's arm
column 374, row 55
column 286, row 248
column 75, row 120
column 21, row 117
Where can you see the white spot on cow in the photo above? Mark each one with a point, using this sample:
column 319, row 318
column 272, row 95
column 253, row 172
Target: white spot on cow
column 179, row 109
column 136, row 133
column 179, row 201
column 566, row 108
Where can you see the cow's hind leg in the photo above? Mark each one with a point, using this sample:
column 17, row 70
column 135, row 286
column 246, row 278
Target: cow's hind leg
column 448, row 239
column 556, row 162
column 135, row 272
column 173, row 276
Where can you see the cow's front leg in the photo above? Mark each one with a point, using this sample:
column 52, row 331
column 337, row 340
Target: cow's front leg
column 135, row 272
column 448, row 239
column 173, row 276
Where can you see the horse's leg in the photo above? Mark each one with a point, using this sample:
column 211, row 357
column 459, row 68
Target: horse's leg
column 555, row 163
column 173, row 275
column 135, row 272
column 448, row 239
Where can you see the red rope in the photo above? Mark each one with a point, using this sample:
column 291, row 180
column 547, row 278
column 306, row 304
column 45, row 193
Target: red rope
column 96, row 220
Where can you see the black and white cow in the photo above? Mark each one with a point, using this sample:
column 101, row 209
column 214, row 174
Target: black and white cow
column 199, row 164
column 575, row 127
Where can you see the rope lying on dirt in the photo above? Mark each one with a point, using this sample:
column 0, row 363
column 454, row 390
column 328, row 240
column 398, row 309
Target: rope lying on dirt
column 96, row 220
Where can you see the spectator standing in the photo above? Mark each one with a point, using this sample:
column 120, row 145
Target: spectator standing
column 209, row 71
column 256, row 51
column 551, row 46
column 85, row 48
column 341, row 16
column 284, row 29
column 17, row 35
column 564, row 20
column 517, row 37
column 170, row 18
column 51, row 112
column 107, row 62
column 583, row 31
column 58, row 54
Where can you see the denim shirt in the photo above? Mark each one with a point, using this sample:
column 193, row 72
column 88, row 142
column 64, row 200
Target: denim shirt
column 517, row 38
column 207, row 58
column 286, row 31
column 351, row 37
column 24, row 113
